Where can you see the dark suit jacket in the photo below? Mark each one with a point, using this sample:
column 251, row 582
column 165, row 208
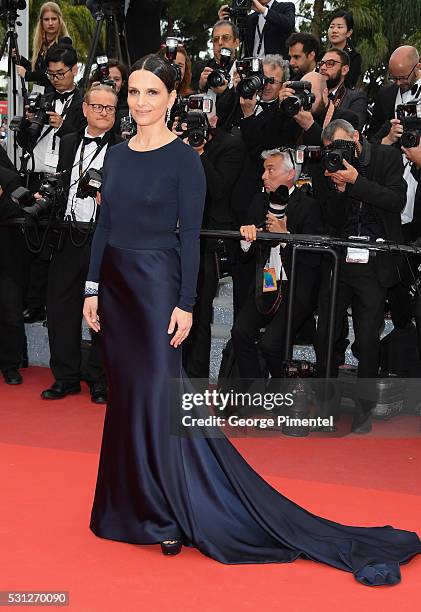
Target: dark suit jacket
column 74, row 119
column 267, row 130
column 67, row 152
column 279, row 23
column 383, row 111
column 383, row 189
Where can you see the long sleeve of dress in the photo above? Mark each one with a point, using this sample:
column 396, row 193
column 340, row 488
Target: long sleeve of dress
column 192, row 194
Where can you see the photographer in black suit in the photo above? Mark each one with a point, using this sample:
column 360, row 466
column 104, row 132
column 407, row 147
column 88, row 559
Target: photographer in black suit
column 365, row 200
column 300, row 215
column 267, row 27
column 222, row 156
column 12, row 249
column 405, row 85
column 42, row 157
column 69, row 265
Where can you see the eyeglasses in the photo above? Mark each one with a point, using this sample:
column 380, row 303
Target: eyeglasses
column 330, row 63
column 224, row 37
column 394, row 79
column 57, row 75
column 98, row 108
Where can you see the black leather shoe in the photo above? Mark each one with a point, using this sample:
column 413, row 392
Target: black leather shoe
column 172, row 547
column 60, row 389
column 12, row 377
column 361, row 423
column 32, row 315
column 98, row 393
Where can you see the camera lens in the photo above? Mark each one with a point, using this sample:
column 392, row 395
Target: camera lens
column 216, row 79
column 410, row 139
column 291, row 105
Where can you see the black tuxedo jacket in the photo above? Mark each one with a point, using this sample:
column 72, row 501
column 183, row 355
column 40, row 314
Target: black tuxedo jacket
column 74, row 119
column 279, row 23
column 303, row 217
column 68, row 147
column 383, row 189
column 383, row 111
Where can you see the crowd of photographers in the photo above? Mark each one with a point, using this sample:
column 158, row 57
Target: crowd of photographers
column 288, row 144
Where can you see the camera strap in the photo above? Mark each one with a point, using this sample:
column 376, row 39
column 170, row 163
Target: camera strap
column 260, row 35
column 96, row 153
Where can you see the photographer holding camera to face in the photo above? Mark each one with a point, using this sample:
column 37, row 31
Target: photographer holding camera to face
column 366, row 195
column 266, row 28
column 222, row 156
column 81, row 157
column 49, row 117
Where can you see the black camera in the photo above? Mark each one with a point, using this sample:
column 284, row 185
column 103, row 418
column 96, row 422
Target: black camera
column 38, row 106
column 50, row 189
column 171, row 47
column 195, row 102
column 102, row 73
column 410, row 116
column 218, row 77
column 238, row 12
column 12, row 6
column 338, row 151
column 302, row 100
column 198, row 128
column 253, row 79
column 89, row 183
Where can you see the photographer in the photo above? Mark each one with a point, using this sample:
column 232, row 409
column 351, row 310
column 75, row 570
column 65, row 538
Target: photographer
column 262, row 126
column 303, row 49
column 405, row 85
column 113, row 73
column 225, row 35
column 12, row 331
column 267, row 27
column 40, row 139
column 365, row 200
column 67, row 275
column 299, row 214
column 222, row 157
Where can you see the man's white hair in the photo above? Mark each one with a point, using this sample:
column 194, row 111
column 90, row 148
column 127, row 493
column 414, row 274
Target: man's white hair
column 288, row 159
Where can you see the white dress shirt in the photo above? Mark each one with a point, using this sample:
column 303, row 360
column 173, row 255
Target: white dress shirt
column 83, row 209
column 46, row 152
column 257, row 37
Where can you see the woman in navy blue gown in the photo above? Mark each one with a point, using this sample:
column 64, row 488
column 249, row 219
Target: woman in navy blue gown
column 154, row 487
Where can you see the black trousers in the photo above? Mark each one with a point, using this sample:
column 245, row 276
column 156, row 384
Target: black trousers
column 360, row 288
column 65, row 297
column 272, row 343
column 12, row 329
column 196, row 349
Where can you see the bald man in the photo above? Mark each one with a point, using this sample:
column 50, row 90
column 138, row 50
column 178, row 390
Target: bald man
column 354, row 103
column 405, row 85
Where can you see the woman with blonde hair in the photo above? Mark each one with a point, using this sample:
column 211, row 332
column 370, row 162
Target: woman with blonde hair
column 49, row 29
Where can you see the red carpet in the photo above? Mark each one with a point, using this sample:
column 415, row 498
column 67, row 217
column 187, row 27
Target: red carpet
column 48, row 455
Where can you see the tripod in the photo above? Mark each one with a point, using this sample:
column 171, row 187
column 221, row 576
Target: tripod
column 115, row 37
column 10, row 42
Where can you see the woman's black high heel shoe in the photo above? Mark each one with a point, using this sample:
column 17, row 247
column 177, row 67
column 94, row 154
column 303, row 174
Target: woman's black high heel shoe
column 171, row 547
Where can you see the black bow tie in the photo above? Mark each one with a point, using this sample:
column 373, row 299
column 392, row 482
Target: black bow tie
column 266, row 105
column 63, row 96
column 89, row 140
column 332, row 95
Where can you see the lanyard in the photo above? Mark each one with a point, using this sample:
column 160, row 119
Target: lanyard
column 260, row 35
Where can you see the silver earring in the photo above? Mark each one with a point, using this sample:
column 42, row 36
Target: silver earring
column 168, row 115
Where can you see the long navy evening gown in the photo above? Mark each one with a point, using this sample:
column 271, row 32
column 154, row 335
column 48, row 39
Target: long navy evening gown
column 154, row 486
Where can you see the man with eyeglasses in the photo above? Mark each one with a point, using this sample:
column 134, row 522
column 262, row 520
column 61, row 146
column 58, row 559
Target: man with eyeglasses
column 404, row 86
column 42, row 157
column 267, row 27
column 225, row 35
column 78, row 152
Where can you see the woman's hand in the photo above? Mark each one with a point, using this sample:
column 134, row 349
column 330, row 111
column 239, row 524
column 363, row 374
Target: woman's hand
column 184, row 321
column 90, row 312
